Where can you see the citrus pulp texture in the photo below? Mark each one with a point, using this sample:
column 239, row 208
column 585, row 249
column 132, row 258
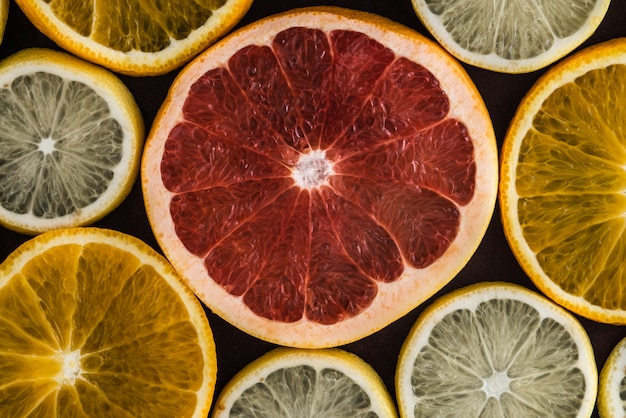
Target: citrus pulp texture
column 511, row 36
column 71, row 136
column 95, row 323
column 289, row 382
column 318, row 174
column 563, row 183
column 612, row 388
column 135, row 37
column 496, row 350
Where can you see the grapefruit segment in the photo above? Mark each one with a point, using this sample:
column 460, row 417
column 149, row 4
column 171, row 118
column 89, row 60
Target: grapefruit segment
column 316, row 181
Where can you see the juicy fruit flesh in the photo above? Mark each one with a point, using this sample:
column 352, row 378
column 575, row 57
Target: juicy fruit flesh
column 511, row 29
column 501, row 359
column 392, row 170
column 60, row 146
column 78, row 336
column 146, row 26
column 571, row 182
column 303, row 391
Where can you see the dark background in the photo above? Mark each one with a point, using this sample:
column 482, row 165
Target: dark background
column 492, row 261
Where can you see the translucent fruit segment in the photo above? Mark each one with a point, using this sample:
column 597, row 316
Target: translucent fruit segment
column 52, row 129
column 502, row 356
column 147, row 26
column 388, row 171
column 103, row 304
column 571, row 182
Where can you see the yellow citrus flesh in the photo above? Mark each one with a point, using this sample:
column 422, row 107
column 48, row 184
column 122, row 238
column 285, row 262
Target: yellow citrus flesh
column 136, row 37
column 71, row 137
column 95, row 323
column 290, row 382
column 4, row 12
column 511, row 36
column 611, row 401
column 563, row 183
column 197, row 222
column 496, row 350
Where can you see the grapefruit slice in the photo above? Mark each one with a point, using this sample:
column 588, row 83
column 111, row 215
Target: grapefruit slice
column 318, row 174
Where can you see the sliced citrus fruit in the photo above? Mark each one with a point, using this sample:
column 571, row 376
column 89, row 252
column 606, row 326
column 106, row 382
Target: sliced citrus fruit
column 292, row 382
column 511, row 36
column 4, row 13
column 71, row 137
column 135, row 37
column 496, row 350
column 95, row 323
column 612, row 388
column 563, row 183
column 318, row 174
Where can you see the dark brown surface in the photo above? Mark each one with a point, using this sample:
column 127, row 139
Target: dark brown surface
column 493, row 260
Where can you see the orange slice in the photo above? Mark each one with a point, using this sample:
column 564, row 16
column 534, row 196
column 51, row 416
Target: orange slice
column 4, row 13
column 319, row 173
column 94, row 322
column 563, row 183
column 135, row 37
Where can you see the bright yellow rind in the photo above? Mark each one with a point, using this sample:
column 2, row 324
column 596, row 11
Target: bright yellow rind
column 332, row 358
column 41, row 277
column 610, row 403
column 561, row 47
column 117, row 96
column 133, row 63
column 599, row 174
column 471, row 295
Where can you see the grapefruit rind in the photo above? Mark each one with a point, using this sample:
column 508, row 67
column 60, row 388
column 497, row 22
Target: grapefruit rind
column 394, row 299
column 123, row 109
column 468, row 298
column 591, row 58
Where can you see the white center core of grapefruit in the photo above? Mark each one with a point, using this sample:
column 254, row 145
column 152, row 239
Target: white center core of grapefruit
column 47, row 146
column 312, row 170
column 497, row 384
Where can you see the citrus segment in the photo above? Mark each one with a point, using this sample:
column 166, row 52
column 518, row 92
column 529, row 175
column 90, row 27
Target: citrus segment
column 563, row 183
column 140, row 38
column 511, row 36
column 84, row 331
column 72, row 136
column 496, row 350
column 316, row 181
column 611, row 402
column 289, row 382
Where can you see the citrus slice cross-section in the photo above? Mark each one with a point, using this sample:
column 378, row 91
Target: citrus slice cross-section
column 4, row 14
column 71, row 137
column 612, row 389
column 511, row 36
column 95, row 323
column 496, row 350
column 563, row 182
column 291, row 382
column 135, row 37
column 318, row 174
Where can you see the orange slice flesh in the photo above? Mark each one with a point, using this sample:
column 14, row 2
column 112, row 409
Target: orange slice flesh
column 319, row 173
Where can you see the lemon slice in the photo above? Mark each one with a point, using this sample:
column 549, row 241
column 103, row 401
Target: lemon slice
column 611, row 399
column 511, row 36
column 135, row 37
column 71, row 136
column 496, row 350
column 292, row 382
column 95, row 323
column 563, row 182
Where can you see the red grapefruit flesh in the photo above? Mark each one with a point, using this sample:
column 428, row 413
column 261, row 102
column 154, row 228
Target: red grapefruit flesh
column 315, row 182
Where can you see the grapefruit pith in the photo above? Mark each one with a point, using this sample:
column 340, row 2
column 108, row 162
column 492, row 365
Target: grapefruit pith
column 319, row 173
